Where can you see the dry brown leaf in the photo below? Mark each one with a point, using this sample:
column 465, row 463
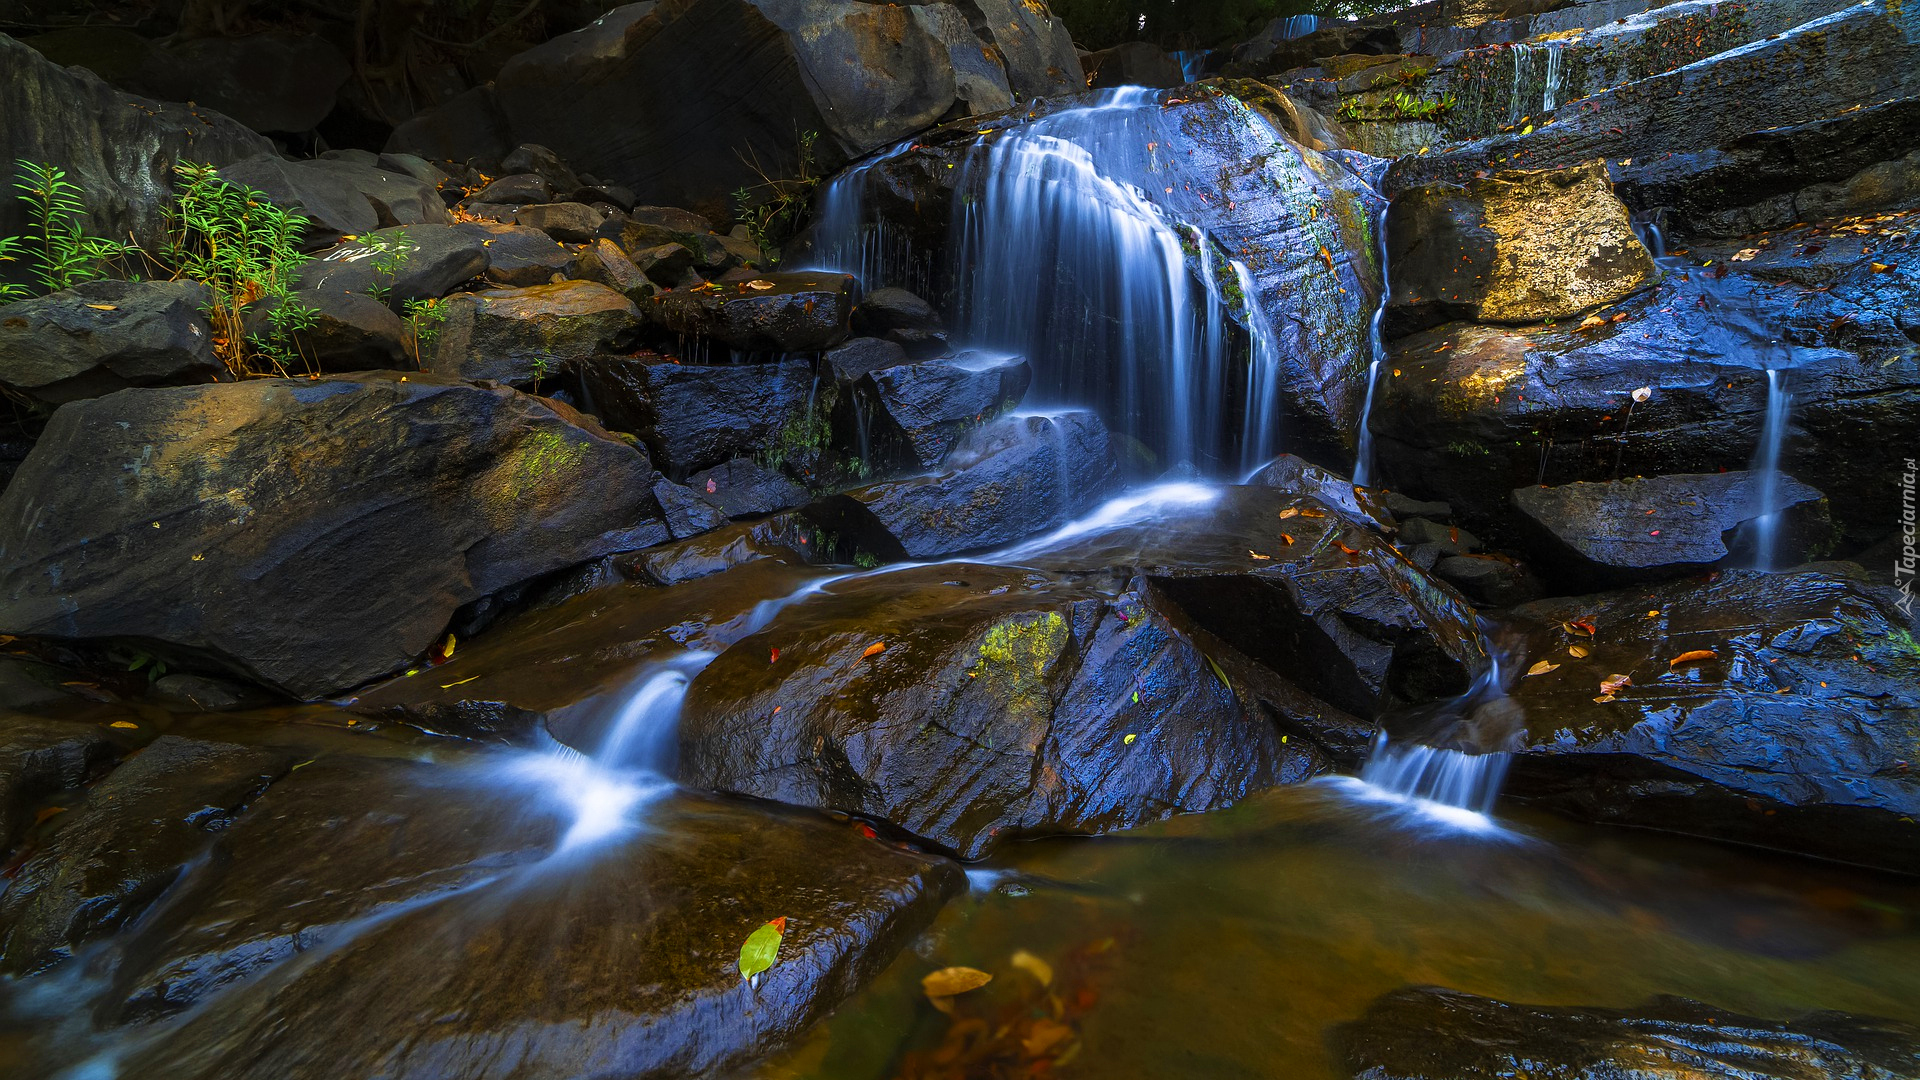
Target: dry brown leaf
column 1252, row 554
column 1045, row 1034
column 1744, row 254
column 1692, row 656
column 1542, row 668
column 1603, row 699
column 1287, row 539
column 759, row 285
column 1578, row 652
column 954, row 980
column 1615, row 683
column 874, row 649
column 1291, row 511
column 1592, row 322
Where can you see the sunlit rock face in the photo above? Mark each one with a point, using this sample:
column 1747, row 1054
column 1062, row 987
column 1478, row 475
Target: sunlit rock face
column 311, row 535
column 1198, row 265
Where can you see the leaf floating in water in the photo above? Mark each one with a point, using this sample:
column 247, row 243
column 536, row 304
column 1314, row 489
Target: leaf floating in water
column 759, row 285
column 1579, row 626
column 1034, row 966
column 1693, row 656
column 948, row 982
column 1578, row 652
column 762, row 946
column 1613, row 684
column 125, row 724
column 874, row 649
column 1542, row 668
column 1287, row 539
column 1252, row 554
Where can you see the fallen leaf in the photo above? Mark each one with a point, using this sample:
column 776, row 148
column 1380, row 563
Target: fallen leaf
column 1603, row 699
column 1287, row 539
column 47, row 812
column 103, row 307
column 774, row 657
column 1044, row 1035
column 1692, row 656
column 461, row 682
column 128, row 724
column 759, row 285
column 1578, row 626
column 1744, row 255
column 1034, row 966
column 1613, row 684
column 1290, row 511
column 948, row 982
column 1578, row 652
column 874, row 649
column 1252, row 554
column 1592, row 322
column 1542, row 668
column 1884, row 268
column 761, row 947
column 1128, row 741
column 1310, row 512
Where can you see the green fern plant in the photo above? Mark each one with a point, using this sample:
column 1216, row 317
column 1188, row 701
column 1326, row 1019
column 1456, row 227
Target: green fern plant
column 244, row 249
column 425, row 318
column 56, row 245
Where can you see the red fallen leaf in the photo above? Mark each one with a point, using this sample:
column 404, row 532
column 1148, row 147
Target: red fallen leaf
column 1692, row 656
column 1287, row 539
column 775, row 658
column 874, row 649
column 1580, row 626
column 866, row 830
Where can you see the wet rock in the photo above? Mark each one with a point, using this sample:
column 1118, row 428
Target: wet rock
column 340, row 198
column 1299, row 476
column 39, row 758
column 899, row 316
column 1134, row 63
column 709, row 253
column 1469, row 413
column 686, row 513
column 114, row 855
column 411, row 262
column 569, row 222
column 1669, row 526
column 915, row 413
column 1515, row 247
column 1000, row 706
column 347, row 331
column 1287, row 582
column 519, row 189
column 519, row 257
column 695, row 417
column 1429, row 1033
column 675, row 904
column 1487, row 580
column 667, row 265
column 103, row 336
column 525, row 336
column 603, row 262
column 201, row 693
column 1008, row 480
column 780, row 313
column 120, row 149
column 1448, row 539
column 1796, row 734
column 743, row 488
column 542, row 162
column 862, row 355
column 1402, row 506
column 467, row 127
column 328, row 553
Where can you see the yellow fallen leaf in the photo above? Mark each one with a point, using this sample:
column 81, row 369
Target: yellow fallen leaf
column 1578, row 652
column 103, row 307
column 759, row 285
column 954, row 980
column 125, row 724
column 1128, row 741
column 1542, row 668
column 1290, row 511
column 1744, row 255
column 1034, row 966
column 1693, row 655
column 1252, row 554
column 1613, row 684
column 1044, row 1035
column 874, row 649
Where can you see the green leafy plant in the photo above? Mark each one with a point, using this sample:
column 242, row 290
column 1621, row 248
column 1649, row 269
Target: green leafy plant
column 773, row 209
column 389, row 257
column 425, row 318
column 11, row 248
column 244, row 249
column 56, row 245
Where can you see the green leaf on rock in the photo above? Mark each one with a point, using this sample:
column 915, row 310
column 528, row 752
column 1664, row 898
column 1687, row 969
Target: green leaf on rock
column 762, row 946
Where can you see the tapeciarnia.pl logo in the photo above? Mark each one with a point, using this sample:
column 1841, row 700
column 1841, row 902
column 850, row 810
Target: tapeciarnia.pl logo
column 1904, row 566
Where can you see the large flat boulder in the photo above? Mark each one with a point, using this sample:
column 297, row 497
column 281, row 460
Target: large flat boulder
column 120, row 149
column 308, row 535
column 1795, row 733
column 524, row 336
column 340, row 197
column 777, row 313
column 103, row 336
column 970, row 705
column 407, row 262
column 1514, row 247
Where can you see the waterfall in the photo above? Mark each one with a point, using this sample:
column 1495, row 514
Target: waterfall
column 1193, row 63
column 1377, row 345
column 1298, row 26
column 1773, row 435
column 1520, row 104
column 1058, row 253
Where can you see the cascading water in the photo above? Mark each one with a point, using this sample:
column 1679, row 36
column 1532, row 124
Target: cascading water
column 1058, row 254
column 1298, row 26
column 1773, row 435
column 1546, row 57
column 1377, row 347
column 1193, row 63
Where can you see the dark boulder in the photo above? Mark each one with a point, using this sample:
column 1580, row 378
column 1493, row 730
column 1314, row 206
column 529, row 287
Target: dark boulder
column 1429, row 1033
column 666, row 265
column 863, row 354
column 744, row 488
column 516, row 189
column 347, row 331
column 519, row 257
column 118, row 148
column 675, row 903
column 116, row 853
column 1796, row 733
column 410, row 262
column 1488, row 580
column 1668, row 526
column 912, row 414
column 1515, row 247
column 694, row 416
column 340, row 198
column 306, row 539
column 39, row 758
column 780, row 313
column 998, row 704
column 526, row 336
column 1298, row 476
column 899, row 316
column 1003, row 482
column 1132, row 63
column 685, row 512
column 603, row 262
column 104, row 336
column 568, row 222
column 273, row 81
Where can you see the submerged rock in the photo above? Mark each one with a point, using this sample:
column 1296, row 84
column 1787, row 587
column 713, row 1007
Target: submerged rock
column 300, row 533
column 1515, row 247
column 1428, row 1033
column 103, row 336
column 39, row 758
column 559, row 993
column 115, row 854
column 969, row 704
column 1008, row 480
column 1668, row 526
column 1779, row 710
